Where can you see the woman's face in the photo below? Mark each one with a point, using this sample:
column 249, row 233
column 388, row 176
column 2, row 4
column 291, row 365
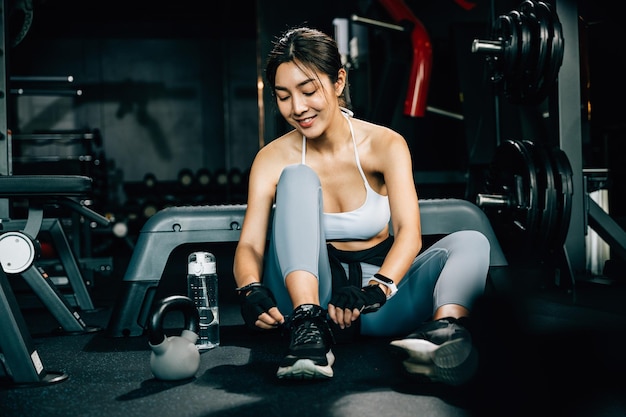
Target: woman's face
column 306, row 99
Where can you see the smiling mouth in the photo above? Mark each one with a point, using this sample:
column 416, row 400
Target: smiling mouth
column 305, row 122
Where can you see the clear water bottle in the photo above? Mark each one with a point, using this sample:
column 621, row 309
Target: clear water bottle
column 202, row 289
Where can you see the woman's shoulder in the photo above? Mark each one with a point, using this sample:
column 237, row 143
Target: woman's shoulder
column 374, row 132
column 284, row 148
column 283, row 143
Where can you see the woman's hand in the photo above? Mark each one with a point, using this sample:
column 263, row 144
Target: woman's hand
column 258, row 308
column 348, row 303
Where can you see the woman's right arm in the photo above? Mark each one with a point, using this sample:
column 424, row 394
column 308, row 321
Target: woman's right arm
column 248, row 261
column 259, row 309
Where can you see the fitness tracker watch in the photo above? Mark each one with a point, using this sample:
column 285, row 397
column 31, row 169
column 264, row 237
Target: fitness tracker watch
column 387, row 282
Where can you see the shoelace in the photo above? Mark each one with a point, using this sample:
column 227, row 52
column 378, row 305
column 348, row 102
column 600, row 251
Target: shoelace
column 308, row 332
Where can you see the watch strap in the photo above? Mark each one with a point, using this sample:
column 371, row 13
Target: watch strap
column 387, row 282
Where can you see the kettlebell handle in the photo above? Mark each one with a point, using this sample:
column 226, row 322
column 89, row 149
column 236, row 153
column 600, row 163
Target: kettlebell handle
column 156, row 335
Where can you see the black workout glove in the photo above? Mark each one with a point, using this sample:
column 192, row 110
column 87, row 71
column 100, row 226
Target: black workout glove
column 367, row 299
column 255, row 300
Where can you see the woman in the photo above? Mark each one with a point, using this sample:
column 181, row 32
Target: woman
column 331, row 188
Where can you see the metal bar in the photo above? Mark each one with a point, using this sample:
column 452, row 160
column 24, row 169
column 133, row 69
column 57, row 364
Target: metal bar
column 5, row 139
column 607, row 228
column 52, row 298
column 45, row 92
column 43, row 78
column 16, row 345
column 444, row 113
column 73, row 272
column 54, row 136
column 378, row 23
column 570, row 132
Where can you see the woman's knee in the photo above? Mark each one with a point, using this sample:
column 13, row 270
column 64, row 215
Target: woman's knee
column 469, row 246
column 472, row 239
column 296, row 174
column 298, row 185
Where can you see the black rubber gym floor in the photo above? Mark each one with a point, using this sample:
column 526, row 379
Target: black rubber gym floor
column 543, row 350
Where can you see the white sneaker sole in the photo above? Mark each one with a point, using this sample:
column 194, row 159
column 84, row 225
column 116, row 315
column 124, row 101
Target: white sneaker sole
column 453, row 362
column 307, row 369
column 447, row 355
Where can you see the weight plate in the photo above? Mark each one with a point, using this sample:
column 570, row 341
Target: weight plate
column 516, row 82
column 512, row 174
column 557, row 46
column 525, row 46
column 554, row 51
column 505, row 30
column 546, row 197
column 539, row 22
column 563, row 180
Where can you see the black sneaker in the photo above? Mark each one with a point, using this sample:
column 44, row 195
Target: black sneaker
column 441, row 350
column 309, row 355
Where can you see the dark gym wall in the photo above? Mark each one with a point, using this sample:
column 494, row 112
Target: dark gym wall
column 170, row 85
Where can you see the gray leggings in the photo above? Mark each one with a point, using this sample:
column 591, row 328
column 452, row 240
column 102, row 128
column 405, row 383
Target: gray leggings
column 451, row 271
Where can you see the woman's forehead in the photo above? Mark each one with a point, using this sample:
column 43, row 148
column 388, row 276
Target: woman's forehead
column 295, row 73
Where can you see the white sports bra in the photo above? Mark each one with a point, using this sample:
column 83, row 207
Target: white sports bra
column 366, row 221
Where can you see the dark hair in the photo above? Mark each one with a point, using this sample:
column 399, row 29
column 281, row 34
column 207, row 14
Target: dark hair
column 308, row 47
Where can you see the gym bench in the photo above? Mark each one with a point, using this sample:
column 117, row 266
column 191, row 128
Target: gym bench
column 19, row 247
column 175, row 226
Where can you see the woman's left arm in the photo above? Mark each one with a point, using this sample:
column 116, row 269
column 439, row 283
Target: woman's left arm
column 390, row 157
column 395, row 162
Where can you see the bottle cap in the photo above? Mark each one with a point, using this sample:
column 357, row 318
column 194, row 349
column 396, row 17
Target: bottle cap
column 201, row 263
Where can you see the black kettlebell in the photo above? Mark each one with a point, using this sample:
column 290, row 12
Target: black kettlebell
column 174, row 357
